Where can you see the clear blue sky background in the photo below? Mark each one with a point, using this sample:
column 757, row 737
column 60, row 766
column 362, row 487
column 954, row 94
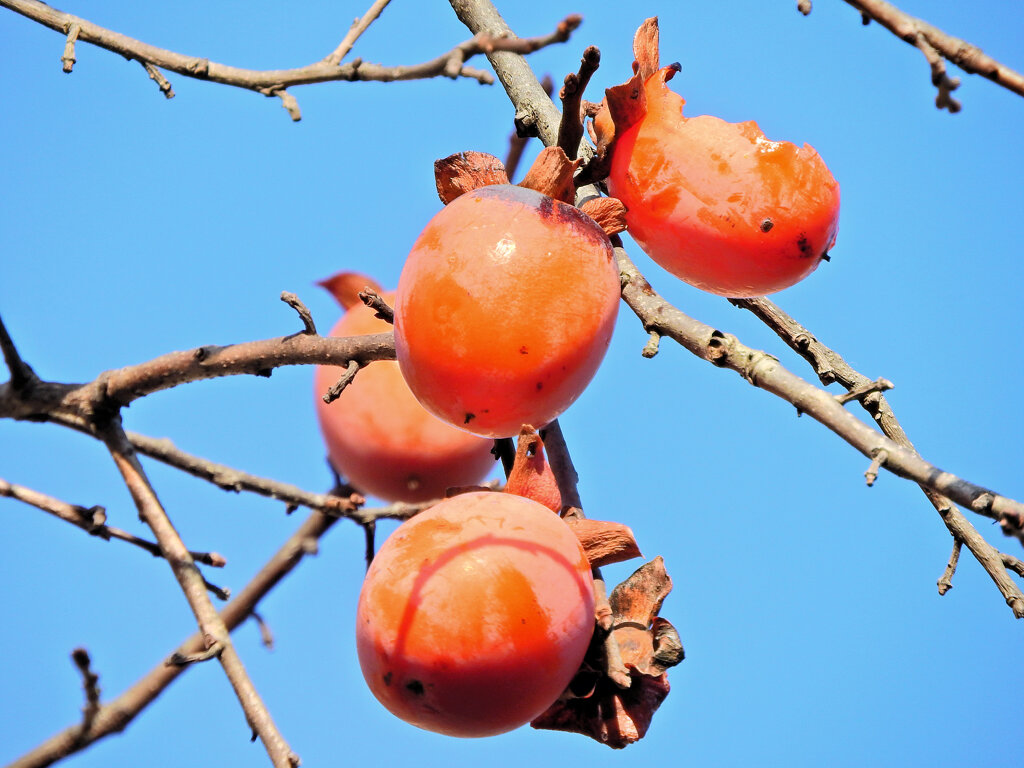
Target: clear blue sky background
column 131, row 226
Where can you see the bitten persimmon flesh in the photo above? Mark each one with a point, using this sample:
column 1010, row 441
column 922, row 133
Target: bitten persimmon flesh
column 715, row 203
column 504, row 309
column 475, row 615
column 377, row 435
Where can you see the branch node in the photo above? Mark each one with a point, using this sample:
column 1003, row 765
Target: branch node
column 651, row 347
column 68, row 59
column 178, row 659
column 293, row 301
column 373, row 300
column 945, row 582
column 804, row 6
column 90, row 683
column 879, row 457
column 157, row 77
column 338, row 387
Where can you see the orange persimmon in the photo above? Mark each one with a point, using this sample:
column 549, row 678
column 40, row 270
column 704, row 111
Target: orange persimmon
column 715, row 203
column 505, row 308
column 377, row 435
column 475, row 615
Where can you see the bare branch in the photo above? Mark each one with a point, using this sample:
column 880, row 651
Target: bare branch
column 83, row 403
column 22, row 375
column 355, row 31
column 68, row 59
column 937, row 46
column 216, row 636
column 90, row 684
column 157, row 77
column 305, row 315
column 276, row 82
column 373, row 300
column 92, row 521
column 338, row 387
column 235, row 480
column 831, row 367
column 945, row 582
column 116, row 715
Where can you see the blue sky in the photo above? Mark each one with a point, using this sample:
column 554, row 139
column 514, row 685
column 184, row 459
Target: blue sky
column 131, row 226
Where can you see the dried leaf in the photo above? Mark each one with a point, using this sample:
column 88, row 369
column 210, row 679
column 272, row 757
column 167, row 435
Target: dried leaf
column 608, row 212
column 638, row 599
column 604, row 542
column 610, row 715
column 466, row 171
column 551, row 174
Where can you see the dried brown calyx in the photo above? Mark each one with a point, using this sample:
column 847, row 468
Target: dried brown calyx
column 594, row 704
column 551, row 174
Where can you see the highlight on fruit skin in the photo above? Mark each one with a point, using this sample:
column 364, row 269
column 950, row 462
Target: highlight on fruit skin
column 475, row 615
column 506, row 303
column 715, row 203
column 376, row 433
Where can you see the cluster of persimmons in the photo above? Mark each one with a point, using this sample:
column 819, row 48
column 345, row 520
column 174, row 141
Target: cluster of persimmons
column 483, row 613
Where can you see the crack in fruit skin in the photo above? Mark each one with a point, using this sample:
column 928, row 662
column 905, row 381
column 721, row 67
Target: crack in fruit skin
column 500, row 270
column 381, row 439
column 719, row 205
column 475, row 615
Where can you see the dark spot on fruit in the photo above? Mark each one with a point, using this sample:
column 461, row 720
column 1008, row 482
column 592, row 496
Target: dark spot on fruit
column 522, row 621
column 547, row 206
column 766, row 225
column 415, row 687
column 803, row 245
column 387, row 679
column 523, row 350
column 540, row 385
column 469, row 418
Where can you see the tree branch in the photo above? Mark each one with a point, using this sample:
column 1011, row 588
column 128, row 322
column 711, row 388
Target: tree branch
column 212, row 627
column 936, row 46
column 114, row 716
column 112, row 390
column 831, row 367
column 355, row 32
column 276, row 82
column 92, row 520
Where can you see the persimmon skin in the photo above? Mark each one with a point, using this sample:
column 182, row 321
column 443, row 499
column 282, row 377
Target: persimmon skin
column 719, row 205
column 504, row 309
column 381, row 439
column 475, row 615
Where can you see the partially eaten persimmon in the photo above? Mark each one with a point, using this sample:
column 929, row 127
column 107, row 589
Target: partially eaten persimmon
column 475, row 615
column 715, row 203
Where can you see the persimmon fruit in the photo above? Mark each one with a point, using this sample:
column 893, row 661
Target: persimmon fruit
column 505, row 308
column 377, row 435
column 715, row 203
column 475, row 615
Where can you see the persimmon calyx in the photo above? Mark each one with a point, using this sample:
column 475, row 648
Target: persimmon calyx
column 604, row 542
column 531, row 475
column 345, row 287
column 465, row 171
column 593, row 704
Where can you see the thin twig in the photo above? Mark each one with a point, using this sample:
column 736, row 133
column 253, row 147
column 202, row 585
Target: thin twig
column 355, row 31
column 570, row 128
column 293, row 301
column 91, row 686
column 936, row 45
column 276, row 82
column 831, row 367
column 335, row 390
column 116, row 715
column 68, row 58
column 266, row 636
column 381, row 309
column 211, row 625
column 22, row 375
column 945, row 582
column 92, row 520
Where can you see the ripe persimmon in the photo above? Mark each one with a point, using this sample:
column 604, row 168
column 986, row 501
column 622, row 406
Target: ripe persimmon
column 715, row 203
column 377, row 435
column 505, row 308
column 475, row 615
